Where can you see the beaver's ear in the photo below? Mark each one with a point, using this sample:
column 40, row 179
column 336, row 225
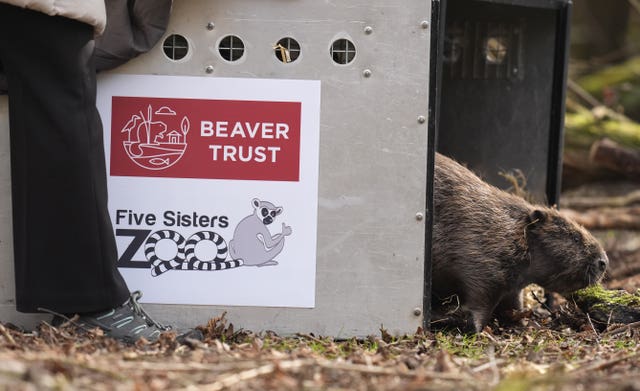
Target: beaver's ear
column 537, row 216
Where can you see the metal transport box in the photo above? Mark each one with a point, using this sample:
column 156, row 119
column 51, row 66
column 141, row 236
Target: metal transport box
column 312, row 127
column 368, row 63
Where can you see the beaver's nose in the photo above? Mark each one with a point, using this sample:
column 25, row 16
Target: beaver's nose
column 602, row 263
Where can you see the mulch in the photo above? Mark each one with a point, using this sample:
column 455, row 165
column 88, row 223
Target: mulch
column 556, row 350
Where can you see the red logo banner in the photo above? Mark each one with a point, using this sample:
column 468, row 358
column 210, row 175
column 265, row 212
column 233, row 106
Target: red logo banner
column 209, row 139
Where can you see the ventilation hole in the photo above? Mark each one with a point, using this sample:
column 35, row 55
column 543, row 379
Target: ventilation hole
column 175, row 47
column 287, row 50
column 231, row 48
column 495, row 50
column 342, row 51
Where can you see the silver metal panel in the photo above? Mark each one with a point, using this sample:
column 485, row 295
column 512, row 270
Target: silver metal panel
column 373, row 149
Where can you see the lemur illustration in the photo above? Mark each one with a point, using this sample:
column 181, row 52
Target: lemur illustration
column 252, row 242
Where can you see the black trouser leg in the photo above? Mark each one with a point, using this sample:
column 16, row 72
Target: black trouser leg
column 65, row 250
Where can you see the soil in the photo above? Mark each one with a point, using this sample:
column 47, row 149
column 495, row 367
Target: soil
column 555, row 347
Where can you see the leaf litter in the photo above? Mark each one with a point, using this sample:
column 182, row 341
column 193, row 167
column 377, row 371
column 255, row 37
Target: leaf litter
column 550, row 350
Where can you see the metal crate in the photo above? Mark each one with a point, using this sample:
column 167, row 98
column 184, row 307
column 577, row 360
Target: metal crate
column 372, row 62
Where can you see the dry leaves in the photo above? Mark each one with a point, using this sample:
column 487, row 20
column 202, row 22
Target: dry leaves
column 554, row 356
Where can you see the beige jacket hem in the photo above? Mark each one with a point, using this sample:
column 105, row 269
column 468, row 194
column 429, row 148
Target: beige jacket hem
column 88, row 11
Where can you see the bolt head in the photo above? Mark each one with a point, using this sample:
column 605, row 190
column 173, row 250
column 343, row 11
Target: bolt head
column 424, row 24
column 366, row 73
column 368, row 30
column 419, row 216
column 211, row 26
column 209, row 69
column 422, row 119
column 417, row 311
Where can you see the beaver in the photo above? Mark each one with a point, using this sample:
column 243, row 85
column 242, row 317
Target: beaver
column 489, row 244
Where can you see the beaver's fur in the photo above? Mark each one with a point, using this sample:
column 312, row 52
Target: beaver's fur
column 489, row 244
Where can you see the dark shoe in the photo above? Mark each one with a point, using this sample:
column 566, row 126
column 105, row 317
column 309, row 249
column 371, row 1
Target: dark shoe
column 127, row 323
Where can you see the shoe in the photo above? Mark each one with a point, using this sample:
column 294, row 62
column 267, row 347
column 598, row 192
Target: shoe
column 127, row 323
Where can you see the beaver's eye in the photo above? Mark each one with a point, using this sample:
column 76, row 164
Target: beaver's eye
column 577, row 238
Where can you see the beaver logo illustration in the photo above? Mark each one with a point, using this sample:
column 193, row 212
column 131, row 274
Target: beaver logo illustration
column 150, row 143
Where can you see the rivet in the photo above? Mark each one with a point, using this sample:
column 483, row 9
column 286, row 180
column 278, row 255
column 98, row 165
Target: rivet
column 419, row 216
column 211, row 26
column 424, row 24
column 366, row 73
column 422, row 119
column 209, row 69
column 417, row 311
column 368, row 30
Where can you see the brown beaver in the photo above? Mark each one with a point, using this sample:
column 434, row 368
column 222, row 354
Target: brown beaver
column 489, row 244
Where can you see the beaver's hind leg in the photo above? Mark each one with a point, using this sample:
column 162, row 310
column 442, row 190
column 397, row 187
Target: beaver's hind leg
column 508, row 307
column 482, row 304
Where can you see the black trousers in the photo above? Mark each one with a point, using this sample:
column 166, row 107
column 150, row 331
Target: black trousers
column 65, row 251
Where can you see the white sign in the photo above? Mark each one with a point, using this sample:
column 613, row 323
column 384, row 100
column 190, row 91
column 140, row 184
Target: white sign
column 213, row 187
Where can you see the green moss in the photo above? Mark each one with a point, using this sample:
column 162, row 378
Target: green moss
column 611, row 76
column 527, row 382
column 596, row 295
column 583, row 128
column 625, row 345
column 280, row 344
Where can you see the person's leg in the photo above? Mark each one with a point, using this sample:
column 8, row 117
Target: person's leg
column 65, row 250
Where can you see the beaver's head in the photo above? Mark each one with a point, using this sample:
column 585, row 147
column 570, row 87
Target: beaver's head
column 564, row 256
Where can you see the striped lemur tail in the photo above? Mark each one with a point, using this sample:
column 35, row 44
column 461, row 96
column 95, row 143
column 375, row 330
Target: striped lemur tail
column 186, row 258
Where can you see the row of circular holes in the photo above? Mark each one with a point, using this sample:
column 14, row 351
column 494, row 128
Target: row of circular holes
column 231, row 48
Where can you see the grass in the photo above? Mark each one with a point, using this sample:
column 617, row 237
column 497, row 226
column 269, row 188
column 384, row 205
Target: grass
column 471, row 346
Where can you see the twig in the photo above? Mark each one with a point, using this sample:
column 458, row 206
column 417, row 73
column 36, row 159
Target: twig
column 518, row 182
column 229, row 380
column 488, row 336
column 593, row 328
column 542, row 303
column 494, row 367
column 584, row 95
column 604, row 364
column 187, row 367
column 67, row 361
column 235, row 378
column 57, row 332
column 621, row 329
column 311, row 337
column 491, row 364
column 635, row 4
column 594, row 202
column 616, row 157
column 69, row 321
column 7, row 336
column 449, row 300
column 386, row 371
column 627, row 218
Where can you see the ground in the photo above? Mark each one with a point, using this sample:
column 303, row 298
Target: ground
column 552, row 351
